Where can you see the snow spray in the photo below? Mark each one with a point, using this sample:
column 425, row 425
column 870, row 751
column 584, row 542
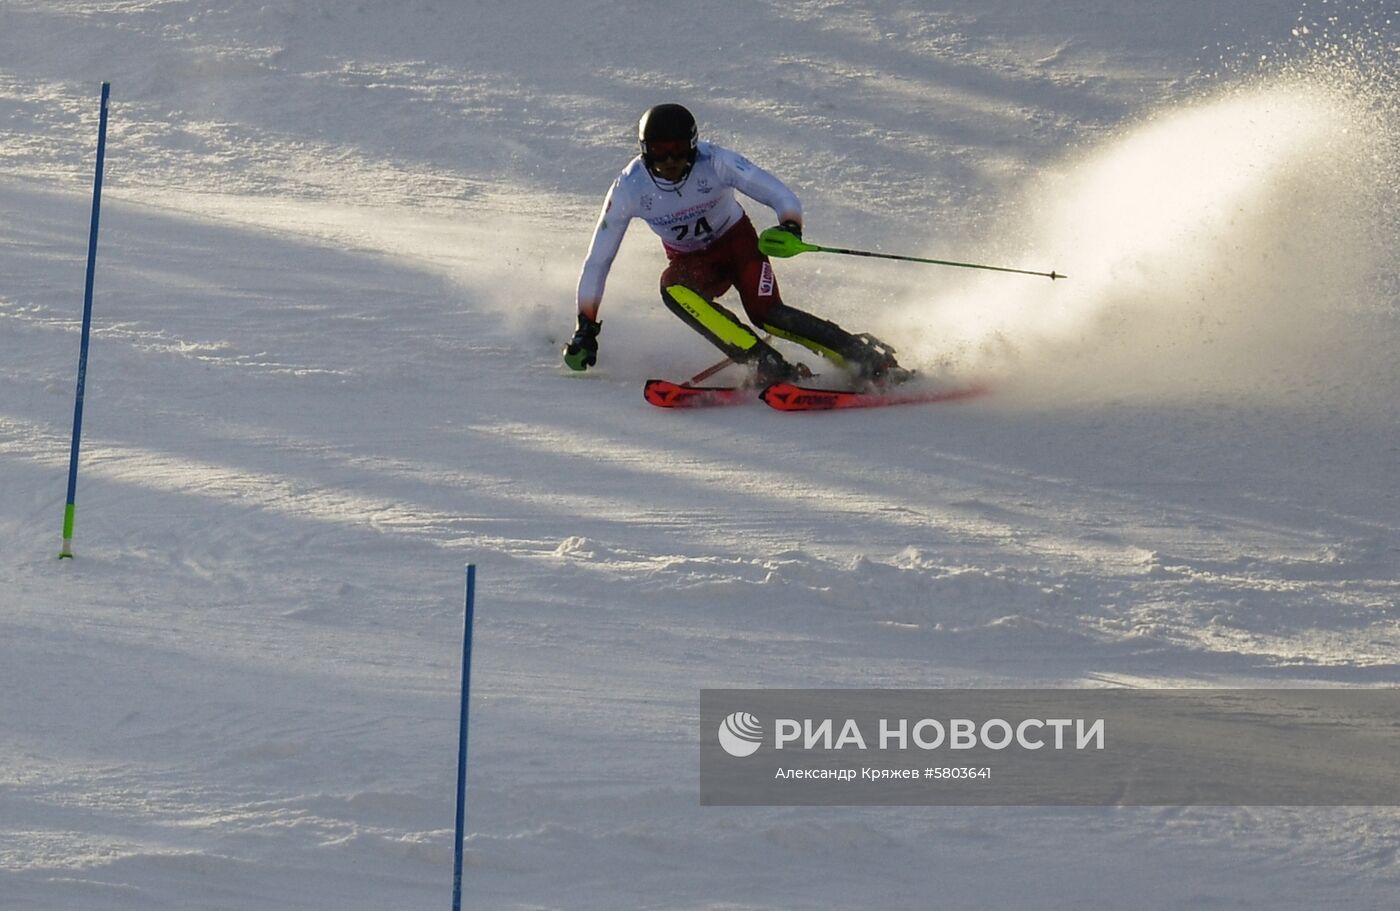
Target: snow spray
column 1240, row 244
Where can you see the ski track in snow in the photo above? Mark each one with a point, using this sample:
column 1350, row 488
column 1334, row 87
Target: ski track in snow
column 337, row 258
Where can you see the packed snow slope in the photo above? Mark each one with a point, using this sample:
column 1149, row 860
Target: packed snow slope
column 338, row 251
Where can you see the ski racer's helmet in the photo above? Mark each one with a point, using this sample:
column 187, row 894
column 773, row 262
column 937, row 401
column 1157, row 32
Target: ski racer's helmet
column 667, row 129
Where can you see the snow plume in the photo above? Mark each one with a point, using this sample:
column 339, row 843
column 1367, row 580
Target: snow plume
column 1243, row 244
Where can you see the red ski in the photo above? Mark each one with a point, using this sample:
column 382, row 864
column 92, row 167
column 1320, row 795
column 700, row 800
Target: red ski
column 666, row 394
column 788, row 397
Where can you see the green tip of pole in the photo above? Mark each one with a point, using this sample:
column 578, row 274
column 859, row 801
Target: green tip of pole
column 69, row 512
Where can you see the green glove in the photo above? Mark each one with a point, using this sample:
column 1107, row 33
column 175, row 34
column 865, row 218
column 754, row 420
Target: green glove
column 784, row 241
column 582, row 350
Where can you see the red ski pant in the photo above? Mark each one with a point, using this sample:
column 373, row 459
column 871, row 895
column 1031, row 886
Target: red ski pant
column 733, row 261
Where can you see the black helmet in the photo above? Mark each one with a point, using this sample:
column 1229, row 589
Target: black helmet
column 664, row 125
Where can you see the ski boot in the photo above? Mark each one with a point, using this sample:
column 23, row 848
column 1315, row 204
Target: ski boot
column 875, row 366
column 771, row 367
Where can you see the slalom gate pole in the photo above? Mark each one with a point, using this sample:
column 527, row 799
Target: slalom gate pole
column 71, row 508
column 461, row 835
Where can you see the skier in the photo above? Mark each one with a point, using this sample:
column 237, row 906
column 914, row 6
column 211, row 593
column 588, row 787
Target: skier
column 684, row 189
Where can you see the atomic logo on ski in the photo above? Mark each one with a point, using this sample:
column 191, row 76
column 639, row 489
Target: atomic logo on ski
column 785, row 397
column 788, row 397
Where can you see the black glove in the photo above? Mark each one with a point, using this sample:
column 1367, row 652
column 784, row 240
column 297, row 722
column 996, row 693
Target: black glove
column 582, row 350
column 792, row 228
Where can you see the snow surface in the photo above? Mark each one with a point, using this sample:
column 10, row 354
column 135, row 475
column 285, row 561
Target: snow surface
column 338, row 251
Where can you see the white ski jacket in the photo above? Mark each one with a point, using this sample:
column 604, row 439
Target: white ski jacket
column 687, row 215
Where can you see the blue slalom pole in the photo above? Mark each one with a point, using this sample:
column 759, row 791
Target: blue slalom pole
column 462, row 740
column 71, row 508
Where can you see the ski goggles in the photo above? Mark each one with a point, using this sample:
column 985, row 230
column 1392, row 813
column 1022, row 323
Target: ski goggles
column 668, row 150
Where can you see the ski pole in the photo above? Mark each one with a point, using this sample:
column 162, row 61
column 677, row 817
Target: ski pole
column 780, row 243
column 715, row 368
